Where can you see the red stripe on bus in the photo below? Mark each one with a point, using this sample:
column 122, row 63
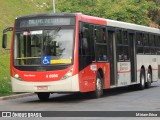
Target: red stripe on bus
column 130, row 71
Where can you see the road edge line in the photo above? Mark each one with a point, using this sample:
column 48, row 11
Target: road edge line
column 17, row 96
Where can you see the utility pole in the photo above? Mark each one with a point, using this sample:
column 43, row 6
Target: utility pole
column 54, row 7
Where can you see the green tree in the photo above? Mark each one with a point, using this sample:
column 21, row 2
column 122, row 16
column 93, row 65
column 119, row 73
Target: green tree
column 135, row 11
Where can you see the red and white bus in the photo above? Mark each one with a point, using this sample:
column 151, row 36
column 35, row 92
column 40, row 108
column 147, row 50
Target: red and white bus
column 53, row 53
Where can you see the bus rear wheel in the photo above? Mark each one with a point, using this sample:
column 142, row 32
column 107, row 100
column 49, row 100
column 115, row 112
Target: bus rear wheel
column 43, row 96
column 149, row 79
column 142, row 80
column 99, row 87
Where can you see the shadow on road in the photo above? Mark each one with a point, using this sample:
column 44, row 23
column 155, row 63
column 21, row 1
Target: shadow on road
column 79, row 97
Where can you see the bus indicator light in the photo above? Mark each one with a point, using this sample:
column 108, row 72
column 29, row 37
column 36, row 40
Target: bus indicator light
column 93, row 67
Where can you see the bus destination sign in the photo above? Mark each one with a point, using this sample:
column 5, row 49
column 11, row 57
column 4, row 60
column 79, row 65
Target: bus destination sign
column 45, row 22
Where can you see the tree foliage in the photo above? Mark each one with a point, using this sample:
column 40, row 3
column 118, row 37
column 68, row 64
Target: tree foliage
column 141, row 12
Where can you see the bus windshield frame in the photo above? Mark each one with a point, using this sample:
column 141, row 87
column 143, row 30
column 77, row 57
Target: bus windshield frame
column 38, row 40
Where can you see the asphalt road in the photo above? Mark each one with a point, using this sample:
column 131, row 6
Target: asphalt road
column 119, row 99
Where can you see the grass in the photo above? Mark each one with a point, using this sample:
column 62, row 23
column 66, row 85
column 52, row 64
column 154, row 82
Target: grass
column 5, row 83
column 10, row 9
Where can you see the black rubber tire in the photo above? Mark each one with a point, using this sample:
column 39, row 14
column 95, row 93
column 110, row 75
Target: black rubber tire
column 149, row 79
column 141, row 85
column 99, row 87
column 43, row 96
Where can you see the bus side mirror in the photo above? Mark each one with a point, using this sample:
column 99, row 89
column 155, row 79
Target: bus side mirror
column 4, row 41
column 4, row 38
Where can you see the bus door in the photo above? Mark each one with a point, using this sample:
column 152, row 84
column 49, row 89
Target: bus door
column 123, row 57
column 112, row 57
column 133, row 56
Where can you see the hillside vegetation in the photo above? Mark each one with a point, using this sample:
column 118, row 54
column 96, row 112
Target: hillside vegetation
column 9, row 10
column 143, row 12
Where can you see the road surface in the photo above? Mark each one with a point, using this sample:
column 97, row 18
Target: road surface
column 119, row 99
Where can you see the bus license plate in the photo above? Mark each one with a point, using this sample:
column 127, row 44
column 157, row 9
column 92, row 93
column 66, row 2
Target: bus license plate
column 42, row 87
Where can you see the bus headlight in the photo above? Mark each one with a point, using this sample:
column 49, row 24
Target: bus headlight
column 68, row 74
column 16, row 76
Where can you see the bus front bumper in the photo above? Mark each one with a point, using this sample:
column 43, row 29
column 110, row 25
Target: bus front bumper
column 68, row 85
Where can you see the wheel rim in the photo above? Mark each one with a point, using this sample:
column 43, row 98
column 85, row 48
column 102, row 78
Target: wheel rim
column 142, row 81
column 99, row 84
column 149, row 77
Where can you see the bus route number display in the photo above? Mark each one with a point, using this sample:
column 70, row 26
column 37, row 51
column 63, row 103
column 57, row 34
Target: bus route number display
column 45, row 22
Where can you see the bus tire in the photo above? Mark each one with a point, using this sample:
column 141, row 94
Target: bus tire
column 142, row 80
column 99, row 87
column 43, row 96
column 149, row 79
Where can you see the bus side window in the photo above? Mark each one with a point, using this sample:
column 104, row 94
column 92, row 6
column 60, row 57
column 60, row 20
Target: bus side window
column 158, row 49
column 119, row 45
column 139, row 39
column 125, row 45
column 146, row 43
column 152, row 44
column 139, row 43
column 101, row 46
column 122, row 45
column 158, row 44
column 104, row 35
column 83, row 40
column 85, row 45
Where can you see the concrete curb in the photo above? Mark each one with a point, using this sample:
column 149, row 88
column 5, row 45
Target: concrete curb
column 17, row 96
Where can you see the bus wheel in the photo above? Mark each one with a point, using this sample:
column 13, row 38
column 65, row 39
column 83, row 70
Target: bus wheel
column 149, row 79
column 99, row 87
column 43, row 96
column 142, row 80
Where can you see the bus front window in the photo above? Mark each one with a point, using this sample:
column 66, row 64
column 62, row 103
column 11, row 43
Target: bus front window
column 47, row 47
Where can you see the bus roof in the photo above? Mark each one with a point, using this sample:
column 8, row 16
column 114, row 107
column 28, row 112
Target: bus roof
column 131, row 26
column 47, row 15
column 103, row 21
column 125, row 25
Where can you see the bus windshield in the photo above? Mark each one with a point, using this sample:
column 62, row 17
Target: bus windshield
column 43, row 47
